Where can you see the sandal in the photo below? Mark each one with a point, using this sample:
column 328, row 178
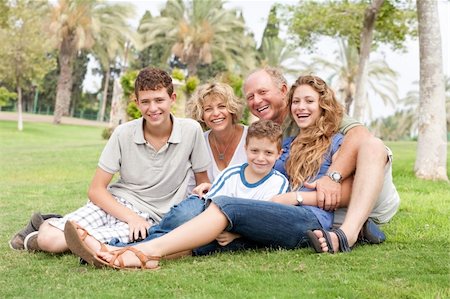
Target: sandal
column 315, row 243
column 76, row 243
column 117, row 255
column 342, row 239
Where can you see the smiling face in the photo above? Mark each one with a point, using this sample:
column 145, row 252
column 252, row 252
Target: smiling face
column 261, row 156
column 305, row 107
column 215, row 114
column 154, row 106
column 264, row 98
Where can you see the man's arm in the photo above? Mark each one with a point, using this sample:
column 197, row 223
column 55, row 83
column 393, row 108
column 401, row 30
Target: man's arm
column 328, row 191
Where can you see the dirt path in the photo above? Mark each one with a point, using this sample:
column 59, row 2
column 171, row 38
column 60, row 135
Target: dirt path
column 28, row 117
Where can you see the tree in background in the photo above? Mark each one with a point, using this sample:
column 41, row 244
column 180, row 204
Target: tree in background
column 431, row 159
column 109, row 49
column 6, row 96
column 23, row 52
column 275, row 51
column 200, row 32
column 151, row 55
column 74, row 26
column 393, row 22
column 381, row 79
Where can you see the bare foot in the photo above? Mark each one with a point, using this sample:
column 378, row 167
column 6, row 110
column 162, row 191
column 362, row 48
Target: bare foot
column 323, row 241
column 129, row 257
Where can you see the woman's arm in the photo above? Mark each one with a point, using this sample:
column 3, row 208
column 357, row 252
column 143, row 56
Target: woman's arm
column 310, row 197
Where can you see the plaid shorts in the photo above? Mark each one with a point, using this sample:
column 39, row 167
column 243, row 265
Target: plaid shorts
column 100, row 224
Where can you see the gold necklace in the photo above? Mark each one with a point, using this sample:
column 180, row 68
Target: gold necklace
column 221, row 156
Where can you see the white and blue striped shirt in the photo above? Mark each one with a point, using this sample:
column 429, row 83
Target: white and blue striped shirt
column 231, row 182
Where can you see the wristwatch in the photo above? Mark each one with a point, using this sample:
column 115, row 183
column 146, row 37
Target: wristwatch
column 299, row 197
column 335, row 176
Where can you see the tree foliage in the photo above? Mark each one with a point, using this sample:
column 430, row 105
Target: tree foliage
column 199, row 32
column 23, row 56
column 6, row 96
column 344, row 19
column 77, row 25
column 152, row 55
column 343, row 70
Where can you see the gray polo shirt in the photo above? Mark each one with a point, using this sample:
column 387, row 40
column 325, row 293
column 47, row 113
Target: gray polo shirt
column 154, row 181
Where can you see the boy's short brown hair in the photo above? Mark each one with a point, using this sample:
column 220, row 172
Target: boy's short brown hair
column 153, row 79
column 265, row 129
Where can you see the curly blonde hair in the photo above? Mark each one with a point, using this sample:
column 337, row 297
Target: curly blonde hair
column 210, row 91
column 309, row 147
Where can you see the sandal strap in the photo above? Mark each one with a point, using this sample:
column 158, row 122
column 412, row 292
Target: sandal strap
column 139, row 254
column 343, row 242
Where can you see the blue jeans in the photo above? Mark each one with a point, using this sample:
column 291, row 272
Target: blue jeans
column 179, row 214
column 260, row 223
column 267, row 223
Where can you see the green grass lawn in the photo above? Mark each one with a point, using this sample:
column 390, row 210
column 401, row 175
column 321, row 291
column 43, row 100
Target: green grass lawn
column 48, row 168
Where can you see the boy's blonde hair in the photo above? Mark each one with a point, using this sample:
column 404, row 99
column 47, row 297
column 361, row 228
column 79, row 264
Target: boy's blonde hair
column 215, row 90
column 309, row 147
column 265, row 129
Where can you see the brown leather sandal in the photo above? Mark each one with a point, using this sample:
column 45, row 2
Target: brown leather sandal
column 76, row 243
column 117, row 256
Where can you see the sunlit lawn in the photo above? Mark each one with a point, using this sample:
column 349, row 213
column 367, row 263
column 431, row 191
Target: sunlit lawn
column 48, row 168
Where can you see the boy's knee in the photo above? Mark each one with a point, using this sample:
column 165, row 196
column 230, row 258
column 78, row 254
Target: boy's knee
column 51, row 239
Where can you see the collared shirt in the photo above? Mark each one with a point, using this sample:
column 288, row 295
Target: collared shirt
column 154, row 181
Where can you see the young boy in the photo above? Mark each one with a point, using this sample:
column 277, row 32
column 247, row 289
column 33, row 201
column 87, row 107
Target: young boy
column 255, row 179
column 154, row 155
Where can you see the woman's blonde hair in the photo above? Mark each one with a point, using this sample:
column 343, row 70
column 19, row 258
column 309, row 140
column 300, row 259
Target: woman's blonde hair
column 309, row 147
column 210, row 91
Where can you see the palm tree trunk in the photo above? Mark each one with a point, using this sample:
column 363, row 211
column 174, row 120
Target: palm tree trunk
column 118, row 114
column 64, row 87
column 105, row 94
column 431, row 159
column 366, row 43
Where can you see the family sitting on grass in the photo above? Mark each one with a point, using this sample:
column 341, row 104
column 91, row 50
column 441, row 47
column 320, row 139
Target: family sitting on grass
column 338, row 182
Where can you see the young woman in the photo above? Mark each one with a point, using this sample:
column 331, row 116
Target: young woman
column 283, row 222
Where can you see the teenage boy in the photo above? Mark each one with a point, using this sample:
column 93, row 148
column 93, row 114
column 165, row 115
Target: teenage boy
column 256, row 179
column 154, row 155
column 361, row 155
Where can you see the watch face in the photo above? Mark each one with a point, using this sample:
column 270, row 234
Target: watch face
column 336, row 176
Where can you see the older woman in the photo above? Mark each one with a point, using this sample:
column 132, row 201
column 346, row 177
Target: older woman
column 216, row 107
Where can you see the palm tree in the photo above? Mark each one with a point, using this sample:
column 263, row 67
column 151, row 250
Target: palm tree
column 275, row 52
column 343, row 69
column 431, row 159
column 110, row 47
column 76, row 24
column 411, row 104
column 200, row 31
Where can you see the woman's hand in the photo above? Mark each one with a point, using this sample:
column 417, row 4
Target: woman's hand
column 201, row 189
column 138, row 228
column 226, row 238
column 285, row 198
